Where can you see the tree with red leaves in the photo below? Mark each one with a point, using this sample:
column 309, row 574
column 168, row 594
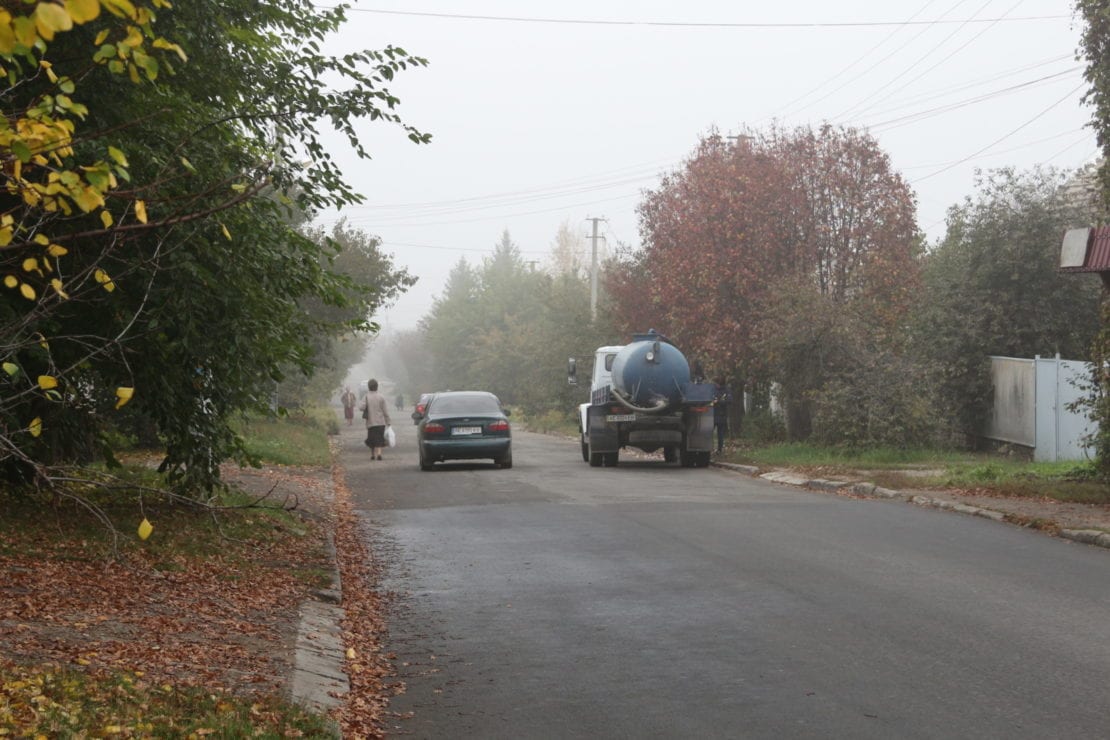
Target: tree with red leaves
column 741, row 239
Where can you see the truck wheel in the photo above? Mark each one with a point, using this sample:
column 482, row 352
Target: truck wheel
column 610, row 459
column 585, row 451
column 701, row 460
column 595, row 459
column 670, row 454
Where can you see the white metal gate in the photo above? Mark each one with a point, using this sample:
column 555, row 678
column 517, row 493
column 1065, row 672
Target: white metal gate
column 1031, row 399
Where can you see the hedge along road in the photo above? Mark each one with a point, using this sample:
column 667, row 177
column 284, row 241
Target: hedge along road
column 559, row 600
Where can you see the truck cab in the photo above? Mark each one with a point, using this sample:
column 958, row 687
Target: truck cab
column 602, row 378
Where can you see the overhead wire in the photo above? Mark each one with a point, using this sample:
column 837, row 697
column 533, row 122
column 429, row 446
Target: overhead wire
column 999, row 140
column 922, row 115
column 784, row 109
column 951, row 54
column 945, row 92
column 913, row 64
column 689, row 24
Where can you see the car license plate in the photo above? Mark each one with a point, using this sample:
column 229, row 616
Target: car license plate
column 466, row 430
column 620, row 417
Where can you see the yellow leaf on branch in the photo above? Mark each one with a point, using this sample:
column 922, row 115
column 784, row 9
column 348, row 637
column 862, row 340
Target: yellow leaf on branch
column 35, row 427
column 83, row 11
column 11, row 281
column 124, row 395
column 102, row 277
column 140, row 211
column 145, row 528
column 46, row 382
column 51, row 18
column 28, row 292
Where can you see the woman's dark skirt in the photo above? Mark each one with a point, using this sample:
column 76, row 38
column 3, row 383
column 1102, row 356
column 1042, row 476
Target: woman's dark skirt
column 375, row 436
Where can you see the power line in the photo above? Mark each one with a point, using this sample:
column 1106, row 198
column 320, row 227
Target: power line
column 951, row 54
column 935, row 94
column 598, row 178
column 914, row 64
column 569, row 206
column 998, row 140
column 840, row 87
column 695, row 24
column 1026, row 145
column 484, row 250
column 894, row 123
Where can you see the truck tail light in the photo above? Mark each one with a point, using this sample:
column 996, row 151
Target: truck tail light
column 433, row 427
column 700, row 409
column 616, row 410
column 499, row 426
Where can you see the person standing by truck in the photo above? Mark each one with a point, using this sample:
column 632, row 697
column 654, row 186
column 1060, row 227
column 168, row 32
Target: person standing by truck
column 721, row 401
column 376, row 413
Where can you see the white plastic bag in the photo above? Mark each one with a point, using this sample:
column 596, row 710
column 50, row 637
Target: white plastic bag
column 390, row 437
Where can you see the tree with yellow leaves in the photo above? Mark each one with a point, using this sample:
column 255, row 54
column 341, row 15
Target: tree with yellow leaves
column 152, row 156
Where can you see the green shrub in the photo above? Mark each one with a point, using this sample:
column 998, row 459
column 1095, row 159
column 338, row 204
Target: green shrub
column 763, row 427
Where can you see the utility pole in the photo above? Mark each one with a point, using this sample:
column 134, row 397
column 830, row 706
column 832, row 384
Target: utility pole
column 593, row 270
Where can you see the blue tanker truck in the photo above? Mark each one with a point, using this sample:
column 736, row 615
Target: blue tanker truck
column 642, row 396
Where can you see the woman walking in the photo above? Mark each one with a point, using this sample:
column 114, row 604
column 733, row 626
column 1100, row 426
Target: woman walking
column 374, row 410
column 349, row 401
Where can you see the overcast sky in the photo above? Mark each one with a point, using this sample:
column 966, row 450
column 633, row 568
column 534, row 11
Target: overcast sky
column 543, row 113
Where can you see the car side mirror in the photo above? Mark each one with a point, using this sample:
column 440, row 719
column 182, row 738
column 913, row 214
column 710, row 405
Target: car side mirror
column 572, row 371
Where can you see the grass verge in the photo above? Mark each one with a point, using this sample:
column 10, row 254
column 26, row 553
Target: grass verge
column 301, row 438
column 925, row 468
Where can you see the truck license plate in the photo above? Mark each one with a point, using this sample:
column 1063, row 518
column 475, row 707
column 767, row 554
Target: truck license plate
column 620, row 417
column 466, row 430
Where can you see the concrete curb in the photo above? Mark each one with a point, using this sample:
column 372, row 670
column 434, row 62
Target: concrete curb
column 319, row 681
column 1094, row 537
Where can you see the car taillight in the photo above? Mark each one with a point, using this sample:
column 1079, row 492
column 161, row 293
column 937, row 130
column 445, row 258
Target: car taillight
column 499, row 426
column 434, row 428
column 700, row 409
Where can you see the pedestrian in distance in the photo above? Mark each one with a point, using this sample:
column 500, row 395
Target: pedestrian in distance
column 722, row 399
column 349, row 401
column 400, row 401
column 376, row 413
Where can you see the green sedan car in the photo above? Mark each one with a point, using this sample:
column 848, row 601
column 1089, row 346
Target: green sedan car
column 464, row 425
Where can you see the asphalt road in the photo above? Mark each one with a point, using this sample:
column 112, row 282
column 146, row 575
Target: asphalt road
column 556, row 600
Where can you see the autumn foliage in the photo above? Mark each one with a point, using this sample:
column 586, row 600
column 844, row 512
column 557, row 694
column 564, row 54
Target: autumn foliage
column 751, row 235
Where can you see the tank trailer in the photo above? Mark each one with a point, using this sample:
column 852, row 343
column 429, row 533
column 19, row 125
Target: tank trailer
column 642, row 396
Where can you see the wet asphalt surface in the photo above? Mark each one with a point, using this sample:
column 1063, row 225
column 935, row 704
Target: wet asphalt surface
column 555, row 600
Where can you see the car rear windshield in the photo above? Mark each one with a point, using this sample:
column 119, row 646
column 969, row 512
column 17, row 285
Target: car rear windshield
column 465, row 405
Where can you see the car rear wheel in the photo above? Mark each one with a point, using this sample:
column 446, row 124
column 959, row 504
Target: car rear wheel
column 425, row 463
column 506, row 462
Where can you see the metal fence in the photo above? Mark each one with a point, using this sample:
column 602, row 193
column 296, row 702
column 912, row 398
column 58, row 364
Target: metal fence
column 1031, row 399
